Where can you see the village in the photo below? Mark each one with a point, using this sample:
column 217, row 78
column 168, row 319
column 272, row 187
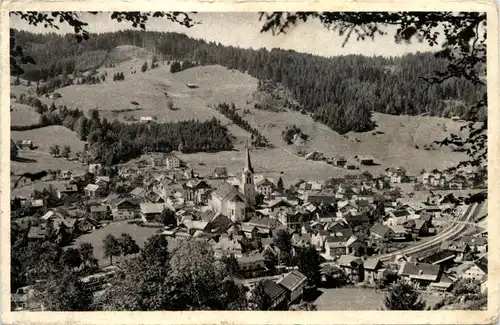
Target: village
column 366, row 230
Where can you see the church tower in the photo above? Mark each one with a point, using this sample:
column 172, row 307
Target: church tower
column 247, row 178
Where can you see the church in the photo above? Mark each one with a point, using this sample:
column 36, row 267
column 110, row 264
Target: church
column 235, row 201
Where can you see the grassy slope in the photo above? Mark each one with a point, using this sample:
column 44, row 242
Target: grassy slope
column 23, row 115
column 396, row 146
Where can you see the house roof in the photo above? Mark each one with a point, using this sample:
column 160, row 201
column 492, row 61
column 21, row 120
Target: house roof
column 482, row 264
column 380, row 229
column 251, row 258
column 371, row 263
column 439, row 257
column 227, row 244
column 349, row 260
column 264, row 222
column 148, row 208
column 264, row 182
column 226, row 191
column 91, row 187
column 138, row 191
column 475, row 241
column 292, row 280
column 68, row 188
column 421, row 271
column 98, row 208
column 272, row 289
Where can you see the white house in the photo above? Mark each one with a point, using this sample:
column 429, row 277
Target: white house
column 228, row 201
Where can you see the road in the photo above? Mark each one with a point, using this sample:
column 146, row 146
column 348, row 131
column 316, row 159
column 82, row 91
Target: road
column 451, row 232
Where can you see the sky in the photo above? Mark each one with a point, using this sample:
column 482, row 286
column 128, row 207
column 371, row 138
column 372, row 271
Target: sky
column 243, row 29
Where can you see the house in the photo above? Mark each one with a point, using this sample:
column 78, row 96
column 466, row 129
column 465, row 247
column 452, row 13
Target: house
column 400, row 233
column 65, row 174
column 138, row 193
column 92, row 190
column 288, row 217
column 340, row 245
column 66, row 189
column 301, row 240
column 102, row 181
column 220, row 172
column 478, row 271
column 265, row 225
column 276, row 293
column 381, row 232
column 422, row 274
column 459, row 247
column 252, row 265
column 123, row 208
column 372, row 268
column 365, row 160
column 86, row 225
column 340, row 162
column 146, row 119
column 294, row 283
column 196, row 191
column 479, row 244
column 318, row 239
column 95, row 169
column 171, row 161
column 100, row 212
column 265, row 187
column 36, row 234
column 151, row 212
column 227, row 200
column 156, row 159
column 352, row 267
column 440, row 257
column 25, row 145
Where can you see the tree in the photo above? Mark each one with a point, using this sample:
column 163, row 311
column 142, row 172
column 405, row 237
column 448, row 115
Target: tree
column 54, row 150
column 466, row 287
column 64, row 292
column 127, row 245
column 71, row 258
column 259, row 298
column 309, row 263
column 17, row 82
column 144, row 67
column 111, row 247
column 281, row 185
column 283, row 240
column 87, row 254
column 403, row 296
column 156, row 250
column 168, row 217
column 66, row 151
column 14, row 151
column 231, row 265
column 304, row 306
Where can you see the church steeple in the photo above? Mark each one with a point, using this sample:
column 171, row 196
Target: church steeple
column 248, row 162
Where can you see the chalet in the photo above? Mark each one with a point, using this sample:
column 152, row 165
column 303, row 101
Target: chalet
column 100, row 212
column 479, row 244
column 69, row 224
column 138, row 193
column 380, row 232
column 66, row 189
column 194, row 226
column 294, row 283
column 228, row 245
column 459, row 247
column 276, row 293
column 195, row 191
column 301, row 240
column 25, row 145
column 441, row 257
column 156, row 159
column 252, row 265
column 220, row 172
column 478, row 271
column 321, row 199
column 123, row 208
column 265, row 187
column 318, row 239
column 340, row 245
column 65, row 174
column 288, row 217
column 171, row 161
column 400, row 233
column 372, row 267
column 36, row 234
column 265, row 225
column 95, row 169
column 352, row 267
column 102, row 181
column 422, row 274
column 86, row 225
column 151, row 211
column 93, row 191
column 365, row 160
column 340, row 162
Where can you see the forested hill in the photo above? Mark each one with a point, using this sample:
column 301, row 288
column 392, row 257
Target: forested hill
column 339, row 91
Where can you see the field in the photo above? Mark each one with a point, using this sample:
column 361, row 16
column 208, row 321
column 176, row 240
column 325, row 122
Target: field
column 358, row 299
column 23, row 115
column 40, row 159
column 139, row 234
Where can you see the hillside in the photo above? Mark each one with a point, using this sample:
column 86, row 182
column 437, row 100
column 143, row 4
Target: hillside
column 393, row 142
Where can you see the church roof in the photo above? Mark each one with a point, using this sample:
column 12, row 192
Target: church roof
column 226, row 191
